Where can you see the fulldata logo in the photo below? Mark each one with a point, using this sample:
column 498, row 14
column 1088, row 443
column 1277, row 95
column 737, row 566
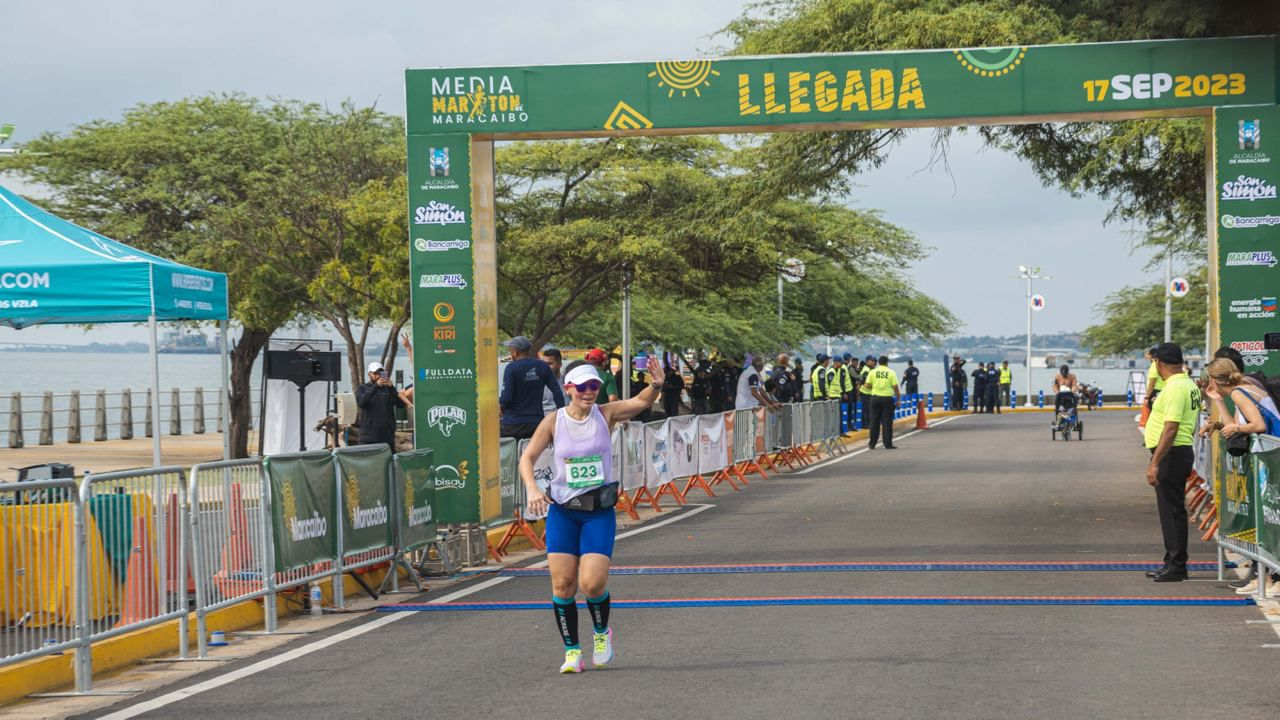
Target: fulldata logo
column 1250, row 134
column 425, row 374
column 478, row 99
column 1243, row 222
column 1265, row 258
column 424, row 245
column 1248, row 188
column 1262, row 308
column 448, row 280
column 438, row 213
column 445, row 417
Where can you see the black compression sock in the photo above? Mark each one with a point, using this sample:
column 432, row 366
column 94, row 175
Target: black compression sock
column 599, row 608
column 566, row 611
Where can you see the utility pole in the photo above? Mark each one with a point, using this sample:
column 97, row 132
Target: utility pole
column 1030, row 273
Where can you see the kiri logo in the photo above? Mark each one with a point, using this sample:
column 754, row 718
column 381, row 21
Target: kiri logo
column 450, row 280
column 1250, row 134
column 424, row 245
column 438, row 213
column 445, row 417
column 1248, row 188
column 1264, row 258
column 438, row 162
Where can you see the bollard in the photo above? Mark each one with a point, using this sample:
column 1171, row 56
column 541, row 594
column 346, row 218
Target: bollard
column 147, row 424
column 100, row 416
column 946, row 400
column 1130, row 398
column 126, row 415
column 966, row 400
column 1041, row 399
column 15, row 420
column 931, row 402
column 175, row 412
column 46, row 419
column 198, row 418
column 857, row 416
column 1099, row 398
column 1013, row 399
column 73, row 418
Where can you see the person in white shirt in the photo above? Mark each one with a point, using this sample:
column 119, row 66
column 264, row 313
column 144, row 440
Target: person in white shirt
column 751, row 388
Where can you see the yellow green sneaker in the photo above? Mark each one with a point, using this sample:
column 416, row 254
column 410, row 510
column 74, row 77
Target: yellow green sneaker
column 602, row 648
column 573, row 662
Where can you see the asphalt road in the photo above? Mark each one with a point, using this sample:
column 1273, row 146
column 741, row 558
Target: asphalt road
column 975, row 489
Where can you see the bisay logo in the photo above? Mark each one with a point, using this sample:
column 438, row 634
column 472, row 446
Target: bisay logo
column 450, row 477
column 445, row 417
column 438, row 213
column 1248, row 188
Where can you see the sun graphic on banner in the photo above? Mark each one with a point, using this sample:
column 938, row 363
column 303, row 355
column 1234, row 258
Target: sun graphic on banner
column 991, row 62
column 684, row 75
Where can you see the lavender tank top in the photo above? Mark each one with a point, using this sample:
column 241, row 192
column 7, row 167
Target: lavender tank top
column 584, row 460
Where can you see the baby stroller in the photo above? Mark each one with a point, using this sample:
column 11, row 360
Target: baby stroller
column 1066, row 418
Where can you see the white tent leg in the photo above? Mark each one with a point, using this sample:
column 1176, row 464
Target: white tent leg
column 223, row 401
column 156, row 425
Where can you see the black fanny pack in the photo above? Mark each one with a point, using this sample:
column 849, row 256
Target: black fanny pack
column 601, row 498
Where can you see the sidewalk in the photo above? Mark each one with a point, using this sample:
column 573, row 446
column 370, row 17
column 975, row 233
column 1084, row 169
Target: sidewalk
column 184, row 450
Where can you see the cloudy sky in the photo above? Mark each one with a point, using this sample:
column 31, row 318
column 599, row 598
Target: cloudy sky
column 67, row 62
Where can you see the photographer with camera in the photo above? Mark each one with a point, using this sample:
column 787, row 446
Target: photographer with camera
column 378, row 400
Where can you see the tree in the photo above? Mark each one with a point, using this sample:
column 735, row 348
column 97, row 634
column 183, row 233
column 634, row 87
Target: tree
column 1133, row 318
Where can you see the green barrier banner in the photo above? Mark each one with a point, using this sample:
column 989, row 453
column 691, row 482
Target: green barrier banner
column 1234, row 487
column 1267, row 474
column 508, row 474
column 415, row 475
column 1247, row 218
column 366, row 498
column 302, row 513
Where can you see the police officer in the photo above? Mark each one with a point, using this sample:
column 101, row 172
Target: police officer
column 820, row 378
column 1006, row 384
column 844, row 388
column 979, row 388
column 911, row 379
column 881, row 387
column 959, row 381
column 797, row 381
column 993, row 388
column 1168, row 436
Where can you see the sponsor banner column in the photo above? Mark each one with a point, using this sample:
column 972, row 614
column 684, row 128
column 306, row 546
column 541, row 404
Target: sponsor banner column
column 1247, row 173
column 442, row 289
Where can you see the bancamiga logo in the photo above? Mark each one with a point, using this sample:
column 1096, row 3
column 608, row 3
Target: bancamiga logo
column 1248, row 188
column 438, row 213
column 424, row 245
column 448, row 280
column 1265, row 258
column 445, row 417
column 1242, row 222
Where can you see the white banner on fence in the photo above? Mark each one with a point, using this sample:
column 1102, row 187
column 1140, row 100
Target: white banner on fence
column 683, row 457
column 543, row 471
column 615, row 450
column 633, row 456
column 656, row 447
column 712, row 453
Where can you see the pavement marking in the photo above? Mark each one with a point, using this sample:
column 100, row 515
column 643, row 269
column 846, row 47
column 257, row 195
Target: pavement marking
column 1004, row 566
column 1006, row 600
column 856, row 453
column 272, row 662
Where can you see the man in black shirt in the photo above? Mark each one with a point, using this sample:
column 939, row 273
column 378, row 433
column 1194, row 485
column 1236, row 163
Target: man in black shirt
column 911, row 378
column 672, row 386
column 377, row 400
column 959, row 381
column 700, row 388
column 993, row 388
column 979, row 389
column 783, row 387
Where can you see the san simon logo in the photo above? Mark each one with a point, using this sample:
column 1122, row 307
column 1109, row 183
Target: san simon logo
column 476, row 99
column 991, row 62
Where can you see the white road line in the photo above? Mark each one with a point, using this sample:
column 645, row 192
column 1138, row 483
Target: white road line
column 856, row 453
column 271, row 662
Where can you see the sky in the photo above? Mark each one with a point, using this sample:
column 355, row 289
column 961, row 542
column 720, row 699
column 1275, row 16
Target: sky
column 68, row 62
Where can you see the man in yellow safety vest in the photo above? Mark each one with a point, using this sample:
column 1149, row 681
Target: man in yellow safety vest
column 820, row 378
column 1006, row 383
column 881, row 386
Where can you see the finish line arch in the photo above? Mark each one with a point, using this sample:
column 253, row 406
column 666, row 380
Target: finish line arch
column 454, row 115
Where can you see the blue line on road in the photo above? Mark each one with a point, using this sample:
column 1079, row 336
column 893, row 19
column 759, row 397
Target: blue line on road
column 843, row 600
column 875, row 567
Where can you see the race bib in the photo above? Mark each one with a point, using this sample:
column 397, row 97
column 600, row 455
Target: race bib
column 584, row 472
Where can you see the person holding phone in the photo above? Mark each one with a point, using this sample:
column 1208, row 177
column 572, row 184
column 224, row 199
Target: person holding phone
column 579, row 505
column 377, row 400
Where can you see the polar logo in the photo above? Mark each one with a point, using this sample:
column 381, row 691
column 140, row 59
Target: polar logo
column 24, row 280
column 445, row 417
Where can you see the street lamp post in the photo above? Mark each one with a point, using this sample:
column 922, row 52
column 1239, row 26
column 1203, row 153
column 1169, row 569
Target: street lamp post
column 1168, row 297
column 1029, row 273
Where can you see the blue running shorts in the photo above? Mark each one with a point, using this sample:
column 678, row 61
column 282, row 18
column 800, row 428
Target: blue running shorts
column 579, row 532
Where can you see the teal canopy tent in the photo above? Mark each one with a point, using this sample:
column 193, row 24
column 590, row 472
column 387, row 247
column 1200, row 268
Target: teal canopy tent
column 55, row 272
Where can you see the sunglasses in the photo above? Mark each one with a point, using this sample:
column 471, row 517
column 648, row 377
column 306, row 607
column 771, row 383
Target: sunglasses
column 588, row 386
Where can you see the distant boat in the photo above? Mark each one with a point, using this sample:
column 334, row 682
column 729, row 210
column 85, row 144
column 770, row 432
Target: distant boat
column 189, row 343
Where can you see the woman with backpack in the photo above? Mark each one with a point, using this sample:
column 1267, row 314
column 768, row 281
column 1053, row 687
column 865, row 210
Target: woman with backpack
column 1256, row 411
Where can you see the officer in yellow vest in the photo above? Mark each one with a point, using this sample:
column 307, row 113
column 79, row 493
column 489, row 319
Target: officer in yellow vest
column 1006, row 383
column 1168, row 436
column 820, row 378
column 881, row 386
column 837, row 376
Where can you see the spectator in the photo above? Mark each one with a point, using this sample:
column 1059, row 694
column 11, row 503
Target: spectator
column 979, row 389
column 377, row 400
column 700, row 389
column 750, row 389
column 672, row 386
column 993, row 389
column 911, row 378
column 555, row 361
column 959, row 382
column 522, row 383
column 406, row 394
column 609, row 388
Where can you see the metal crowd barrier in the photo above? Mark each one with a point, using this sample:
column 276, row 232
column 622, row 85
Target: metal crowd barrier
column 1250, row 482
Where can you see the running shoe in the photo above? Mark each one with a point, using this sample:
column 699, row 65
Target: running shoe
column 1249, row 589
column 573, row 662
column 602, row 648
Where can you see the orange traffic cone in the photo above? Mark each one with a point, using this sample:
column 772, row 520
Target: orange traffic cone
column 140, row 601
column 922, row 420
